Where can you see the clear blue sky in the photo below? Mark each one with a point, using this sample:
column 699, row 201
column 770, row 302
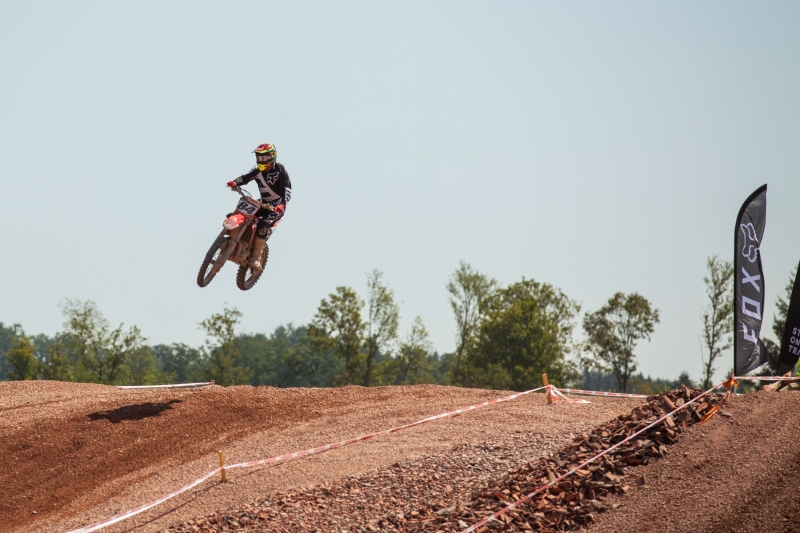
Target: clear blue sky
column 595, row 146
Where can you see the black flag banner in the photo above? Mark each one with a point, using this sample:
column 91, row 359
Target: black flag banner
column 749, row 352
column 790, row 346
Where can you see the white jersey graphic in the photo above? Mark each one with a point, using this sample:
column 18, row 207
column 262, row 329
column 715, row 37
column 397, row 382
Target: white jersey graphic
column 267, row 193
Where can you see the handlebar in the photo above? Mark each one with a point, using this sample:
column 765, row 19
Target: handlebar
column 244, row 192
column 249, row 198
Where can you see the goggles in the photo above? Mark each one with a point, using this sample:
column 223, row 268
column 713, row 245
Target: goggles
column 265, row 158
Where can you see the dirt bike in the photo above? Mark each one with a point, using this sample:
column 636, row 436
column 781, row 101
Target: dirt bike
column 235, row 243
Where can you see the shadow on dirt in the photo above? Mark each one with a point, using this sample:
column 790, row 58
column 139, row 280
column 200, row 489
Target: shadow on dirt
column 133, row 412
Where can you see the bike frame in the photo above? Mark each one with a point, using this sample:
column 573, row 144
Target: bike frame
column 237, row 231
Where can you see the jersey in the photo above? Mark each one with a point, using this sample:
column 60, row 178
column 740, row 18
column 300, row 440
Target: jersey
column 274, row 185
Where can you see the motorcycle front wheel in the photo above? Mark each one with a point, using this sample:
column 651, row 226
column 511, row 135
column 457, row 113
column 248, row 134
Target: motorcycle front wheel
column 245, row 278
column 207, row 272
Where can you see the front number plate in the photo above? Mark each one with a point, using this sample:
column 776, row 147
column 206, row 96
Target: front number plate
column 246, row 208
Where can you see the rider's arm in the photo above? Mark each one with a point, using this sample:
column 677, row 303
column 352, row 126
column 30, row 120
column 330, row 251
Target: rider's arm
column 244, row 179
column 287, row 187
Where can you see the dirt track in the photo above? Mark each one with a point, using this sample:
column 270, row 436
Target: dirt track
column 738, row 474
column 81, row 453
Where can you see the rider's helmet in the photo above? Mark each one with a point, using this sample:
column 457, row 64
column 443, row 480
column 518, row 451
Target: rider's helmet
column 265, row 156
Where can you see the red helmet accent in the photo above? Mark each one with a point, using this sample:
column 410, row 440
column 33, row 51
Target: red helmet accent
column 265, row 156
column 266, row 147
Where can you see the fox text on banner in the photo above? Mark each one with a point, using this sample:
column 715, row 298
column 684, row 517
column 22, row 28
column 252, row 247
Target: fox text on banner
column 749, row 352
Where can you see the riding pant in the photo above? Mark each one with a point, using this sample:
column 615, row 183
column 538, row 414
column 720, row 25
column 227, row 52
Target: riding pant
column 268, row 220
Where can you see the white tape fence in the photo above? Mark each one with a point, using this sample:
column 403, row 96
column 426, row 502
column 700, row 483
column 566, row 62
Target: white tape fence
column 295, row 455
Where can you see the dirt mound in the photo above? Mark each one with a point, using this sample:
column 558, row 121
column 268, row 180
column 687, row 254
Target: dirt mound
column 82, row 453
column 77, row 445
column 733, row 474
column 574, row 502
column 710, row 481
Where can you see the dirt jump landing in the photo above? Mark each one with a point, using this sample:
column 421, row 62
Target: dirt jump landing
column 79, row 453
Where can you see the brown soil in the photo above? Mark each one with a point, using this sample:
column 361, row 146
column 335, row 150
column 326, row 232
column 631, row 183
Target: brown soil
column 568, row 489
column 78, row 453
column 733, row 474
column 738, row 473
column 81, row 453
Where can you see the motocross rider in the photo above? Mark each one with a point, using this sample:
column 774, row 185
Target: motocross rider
column 276, row 191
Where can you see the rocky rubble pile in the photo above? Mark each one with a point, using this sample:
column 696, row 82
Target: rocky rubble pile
column 384, row 499
column 573, row 502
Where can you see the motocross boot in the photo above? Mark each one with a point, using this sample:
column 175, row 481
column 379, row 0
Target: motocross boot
column 255, row 254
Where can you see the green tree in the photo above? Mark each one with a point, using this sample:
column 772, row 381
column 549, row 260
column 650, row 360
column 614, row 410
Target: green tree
column 301, row 365
column 224, row 358
column 382, row 324
column 288, row 358
column 613, row 332
column 594, row 379
column 442, row 367
column 56, row 361
column 179, row 363
column 525, row 331
column 467, row 289
column 141, row 368
column 96, row 352
column 7, row 334
column 337, row 329
column 782, row 307
column 414, row 356
column 717, row 315
column 262, row 354
column 22, row 359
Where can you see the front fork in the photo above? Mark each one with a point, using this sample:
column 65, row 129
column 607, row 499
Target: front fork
column 236, row 236
column 228, row 249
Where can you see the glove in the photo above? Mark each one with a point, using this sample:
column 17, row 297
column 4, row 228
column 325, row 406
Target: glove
column 279, row 209
column 232, row 184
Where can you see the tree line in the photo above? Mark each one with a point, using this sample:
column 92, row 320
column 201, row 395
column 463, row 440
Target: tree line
column 506, row 338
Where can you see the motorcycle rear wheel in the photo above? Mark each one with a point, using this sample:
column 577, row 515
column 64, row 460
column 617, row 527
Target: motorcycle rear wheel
column 206, row 273
column 245, row 281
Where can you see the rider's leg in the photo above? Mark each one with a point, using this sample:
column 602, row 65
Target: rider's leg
column 262, row 233
column 255, row 253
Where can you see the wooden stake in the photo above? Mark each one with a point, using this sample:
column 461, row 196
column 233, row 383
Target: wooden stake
column 544, row 380
column 222, row 464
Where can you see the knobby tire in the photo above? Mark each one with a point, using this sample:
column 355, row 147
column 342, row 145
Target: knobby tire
column 243, row 281
column 206, row 274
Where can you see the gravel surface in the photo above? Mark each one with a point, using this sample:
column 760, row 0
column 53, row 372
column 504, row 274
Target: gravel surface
column 81, row 453
column 571, row 486
column 736, row 473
